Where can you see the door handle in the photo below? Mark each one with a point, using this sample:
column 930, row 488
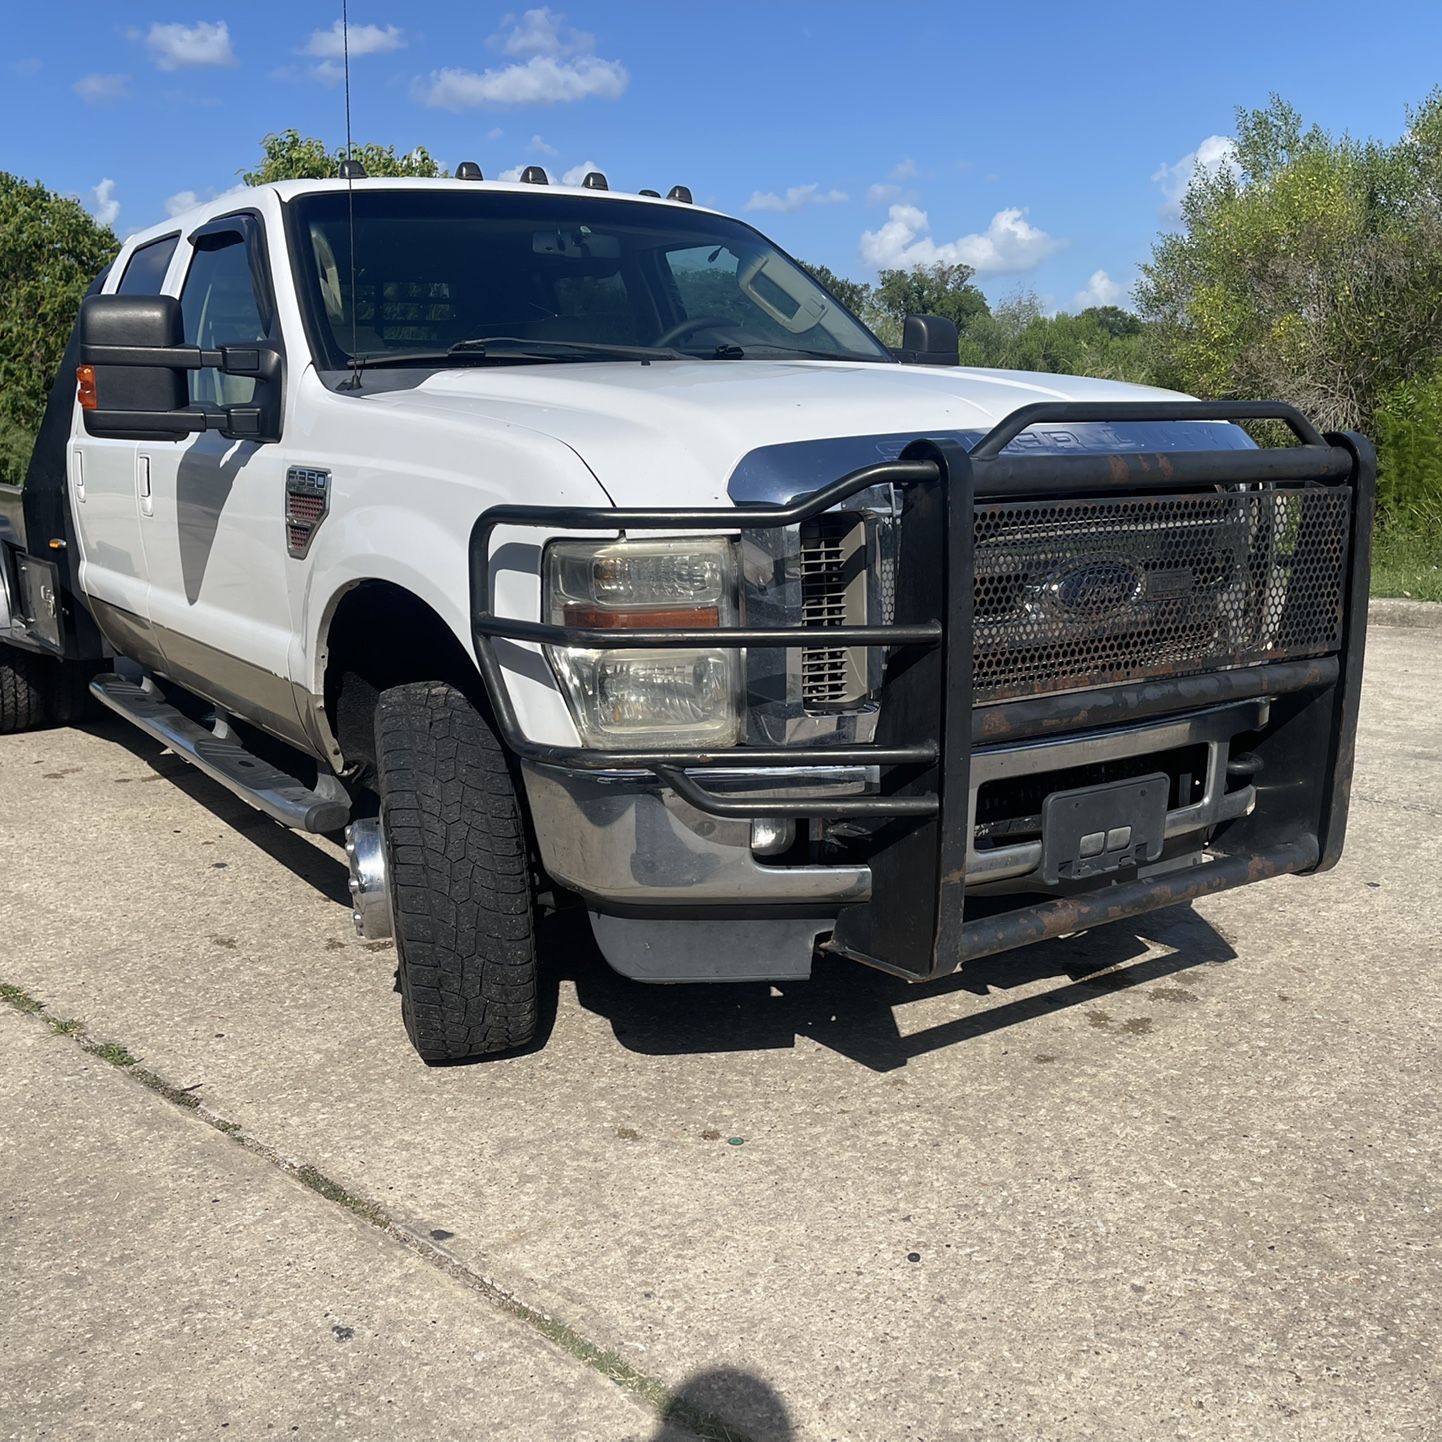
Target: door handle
column 142, row 485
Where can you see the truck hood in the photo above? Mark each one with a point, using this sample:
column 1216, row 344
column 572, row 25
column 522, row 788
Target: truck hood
column 674, row 432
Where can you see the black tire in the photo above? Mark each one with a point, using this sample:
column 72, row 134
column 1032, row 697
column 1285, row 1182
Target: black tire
column 23, row 689
column 460, row 876
column 70, row 701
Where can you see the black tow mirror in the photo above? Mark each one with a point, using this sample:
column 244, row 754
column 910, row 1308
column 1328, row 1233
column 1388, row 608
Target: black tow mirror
column 133, row 372
column 928, row 340
column 124, row 400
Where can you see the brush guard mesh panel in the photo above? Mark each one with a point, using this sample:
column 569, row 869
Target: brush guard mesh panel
column 1078, row 593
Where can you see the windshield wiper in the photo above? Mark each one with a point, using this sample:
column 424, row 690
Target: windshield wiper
column 509, row 348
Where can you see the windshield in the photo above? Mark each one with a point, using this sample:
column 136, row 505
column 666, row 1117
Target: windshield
column 441, row 269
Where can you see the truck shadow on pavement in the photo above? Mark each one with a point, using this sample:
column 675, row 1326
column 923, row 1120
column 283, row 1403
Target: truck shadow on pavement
column 849, row 1008
column 855, row 1010
column 323, row 870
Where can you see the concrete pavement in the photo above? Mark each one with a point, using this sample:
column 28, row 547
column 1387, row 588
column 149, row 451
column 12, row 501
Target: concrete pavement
column 1171, row 1179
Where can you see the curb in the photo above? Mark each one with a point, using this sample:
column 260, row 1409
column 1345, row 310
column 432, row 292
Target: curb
column 1392, row 611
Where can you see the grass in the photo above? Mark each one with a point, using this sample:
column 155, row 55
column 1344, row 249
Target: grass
column 1407, row 562
column 19, row 998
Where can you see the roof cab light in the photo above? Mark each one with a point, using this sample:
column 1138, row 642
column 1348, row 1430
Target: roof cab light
column 665, row 696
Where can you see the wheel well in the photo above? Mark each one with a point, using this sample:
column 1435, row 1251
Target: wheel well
column 380, row 636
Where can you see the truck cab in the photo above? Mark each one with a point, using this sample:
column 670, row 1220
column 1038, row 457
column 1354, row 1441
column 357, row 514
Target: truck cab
column 551, row 545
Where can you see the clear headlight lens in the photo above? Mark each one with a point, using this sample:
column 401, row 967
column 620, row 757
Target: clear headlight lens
column 636, row 697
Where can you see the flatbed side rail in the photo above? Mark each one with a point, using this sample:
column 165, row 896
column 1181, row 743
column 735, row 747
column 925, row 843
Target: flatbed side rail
column 12, row 516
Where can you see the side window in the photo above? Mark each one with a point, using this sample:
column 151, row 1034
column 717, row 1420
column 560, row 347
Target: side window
column 145, row 271
column 219, row 307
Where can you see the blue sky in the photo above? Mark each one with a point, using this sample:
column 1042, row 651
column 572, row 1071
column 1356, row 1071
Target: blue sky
column 1042, row 143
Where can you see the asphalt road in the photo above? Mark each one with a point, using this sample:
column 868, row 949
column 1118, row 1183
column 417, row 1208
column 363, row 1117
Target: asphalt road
column 1175, row 1179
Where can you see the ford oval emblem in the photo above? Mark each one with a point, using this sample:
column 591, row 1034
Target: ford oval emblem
column 1095, row 589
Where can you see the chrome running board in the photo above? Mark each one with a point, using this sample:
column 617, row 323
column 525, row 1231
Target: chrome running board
column 221, row 756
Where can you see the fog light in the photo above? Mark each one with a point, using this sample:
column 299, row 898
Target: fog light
column 771, row 835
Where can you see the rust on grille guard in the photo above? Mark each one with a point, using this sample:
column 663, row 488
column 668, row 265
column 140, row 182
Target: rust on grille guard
column 956, row 680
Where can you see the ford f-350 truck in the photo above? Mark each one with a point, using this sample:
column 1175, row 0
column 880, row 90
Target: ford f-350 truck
column 554, row 543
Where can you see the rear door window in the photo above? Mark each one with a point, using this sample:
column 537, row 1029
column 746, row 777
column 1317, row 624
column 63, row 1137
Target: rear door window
column 145, row 270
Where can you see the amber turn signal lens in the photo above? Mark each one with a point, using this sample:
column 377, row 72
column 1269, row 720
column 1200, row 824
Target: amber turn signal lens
column 682, row 617
column 85, row 387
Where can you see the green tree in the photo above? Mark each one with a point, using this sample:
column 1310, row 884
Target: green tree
column 50, row 251
column 1311, row 270
column 289, row 155
column 944, row 290
column 1408, row 432
column 855, row 295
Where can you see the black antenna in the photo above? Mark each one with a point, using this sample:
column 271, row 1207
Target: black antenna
column 348, row 170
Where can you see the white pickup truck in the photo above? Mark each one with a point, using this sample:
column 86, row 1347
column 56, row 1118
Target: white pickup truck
column 561, row 546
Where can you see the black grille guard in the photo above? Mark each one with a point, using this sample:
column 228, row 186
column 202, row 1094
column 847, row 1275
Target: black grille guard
column 929, row 722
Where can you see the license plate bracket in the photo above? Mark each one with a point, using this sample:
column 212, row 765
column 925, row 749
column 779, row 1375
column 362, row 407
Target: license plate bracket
column 1095, row 830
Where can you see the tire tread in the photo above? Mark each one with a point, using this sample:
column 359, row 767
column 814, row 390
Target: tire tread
column 461, row 884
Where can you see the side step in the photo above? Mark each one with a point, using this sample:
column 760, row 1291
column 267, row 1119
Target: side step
column 222, row 757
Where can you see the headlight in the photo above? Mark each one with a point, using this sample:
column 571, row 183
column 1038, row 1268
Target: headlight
column 631, row 697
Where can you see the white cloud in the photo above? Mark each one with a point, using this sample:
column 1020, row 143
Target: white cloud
column 1009, row 245
column 542, row 32
column 882, row 194
column 512, row 175
column 172, row 47
column 795, row 197
column 577, row 173
column 106, row 208
column 539, row 145
column 542, row 80
column 1215, row 155
column 101, row 89
column 364, row 40
column 904, row 170
column 184, row 200
column 1100, row 289
column 494, row 133
column 560, row 67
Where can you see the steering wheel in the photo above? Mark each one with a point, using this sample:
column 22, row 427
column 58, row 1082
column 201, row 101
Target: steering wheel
column 683, row 328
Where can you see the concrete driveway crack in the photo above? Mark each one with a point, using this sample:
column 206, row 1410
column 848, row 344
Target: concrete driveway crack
column 649, row 1391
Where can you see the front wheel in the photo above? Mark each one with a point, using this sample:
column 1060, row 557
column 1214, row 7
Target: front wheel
column 459, row 874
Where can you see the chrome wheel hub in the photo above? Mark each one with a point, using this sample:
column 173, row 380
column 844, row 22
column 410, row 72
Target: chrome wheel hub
column 370, row 893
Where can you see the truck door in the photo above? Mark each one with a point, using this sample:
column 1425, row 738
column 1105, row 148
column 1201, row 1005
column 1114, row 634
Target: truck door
column 107, row 497
column 215, row 542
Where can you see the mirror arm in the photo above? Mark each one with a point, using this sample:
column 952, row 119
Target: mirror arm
column 260, row 361
column 235, row 422
column 102, row 421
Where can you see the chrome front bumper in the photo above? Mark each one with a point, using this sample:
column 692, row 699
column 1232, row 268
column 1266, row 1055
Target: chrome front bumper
column 621, row 839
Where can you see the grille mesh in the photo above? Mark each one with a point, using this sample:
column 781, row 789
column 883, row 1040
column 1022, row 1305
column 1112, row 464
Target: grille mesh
column 825, row 671
column 1077, row 593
